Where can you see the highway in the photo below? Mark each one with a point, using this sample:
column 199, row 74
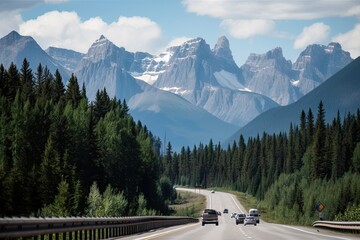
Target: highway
column 228, row 230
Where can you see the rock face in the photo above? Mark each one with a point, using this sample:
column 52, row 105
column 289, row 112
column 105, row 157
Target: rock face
column 211, row 79
column 69, row 59
column 317, row 63
column 271, row 74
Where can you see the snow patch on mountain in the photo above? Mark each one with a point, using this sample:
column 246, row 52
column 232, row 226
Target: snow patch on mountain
column 176, row 90
column 152, row 66
column 148, row 76
column 228, row 80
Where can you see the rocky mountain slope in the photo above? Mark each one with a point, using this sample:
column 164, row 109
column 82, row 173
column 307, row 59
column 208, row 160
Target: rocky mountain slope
column 14, row 48
column 340, row 93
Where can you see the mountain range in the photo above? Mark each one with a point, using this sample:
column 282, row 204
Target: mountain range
column 189, row 93
column 339, row 94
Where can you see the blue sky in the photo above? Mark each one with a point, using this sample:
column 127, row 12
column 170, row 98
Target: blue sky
column 152, row 25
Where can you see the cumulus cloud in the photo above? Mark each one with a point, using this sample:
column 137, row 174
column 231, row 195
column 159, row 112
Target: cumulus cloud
column 243, row 29
column 67, row 30
column 9, row 21
column 178, row 41
column 350, row 41
column 314, row 33
column 275, row 9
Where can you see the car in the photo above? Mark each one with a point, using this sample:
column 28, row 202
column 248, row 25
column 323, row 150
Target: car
column 226, row 210
column 240, row 218
column 219, row 213
column 249, row 220
column 209, row 216
column 233, row 214
column 212, row 191
column 255, row 213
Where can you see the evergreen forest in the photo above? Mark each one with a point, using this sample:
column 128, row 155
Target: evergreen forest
column 290, row 174
column 61, row 155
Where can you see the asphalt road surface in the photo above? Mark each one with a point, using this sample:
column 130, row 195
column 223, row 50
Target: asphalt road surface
column 228, row 230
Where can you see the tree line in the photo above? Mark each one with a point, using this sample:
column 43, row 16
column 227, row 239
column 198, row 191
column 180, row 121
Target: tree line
column 289, row 173
column 61, row 155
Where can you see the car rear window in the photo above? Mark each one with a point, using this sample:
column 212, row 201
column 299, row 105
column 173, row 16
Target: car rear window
column 210, row 211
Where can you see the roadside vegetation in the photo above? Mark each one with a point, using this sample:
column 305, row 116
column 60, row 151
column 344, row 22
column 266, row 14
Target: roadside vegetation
column 188, row 204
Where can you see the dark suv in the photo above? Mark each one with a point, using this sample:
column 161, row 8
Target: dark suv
column 239, row 218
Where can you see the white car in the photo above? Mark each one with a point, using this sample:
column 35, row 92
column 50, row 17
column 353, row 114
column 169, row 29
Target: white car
column 249, row 220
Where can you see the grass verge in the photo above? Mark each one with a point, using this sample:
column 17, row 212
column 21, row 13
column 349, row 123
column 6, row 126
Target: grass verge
column 188, row 204
column 249, row 201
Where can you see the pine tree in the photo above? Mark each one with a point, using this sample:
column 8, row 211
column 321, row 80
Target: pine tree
column 12, row 82
column 26, row 81
column 58, row 88
column 73, row 91
column 320, row 165
column 49, row 174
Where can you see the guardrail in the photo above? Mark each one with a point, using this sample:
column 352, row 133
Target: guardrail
column 343, row 226
column 79, row 228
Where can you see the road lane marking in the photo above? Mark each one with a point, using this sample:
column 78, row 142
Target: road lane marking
column 317, row 234
column 164, row 233
column 236, row 204
column 242, row 231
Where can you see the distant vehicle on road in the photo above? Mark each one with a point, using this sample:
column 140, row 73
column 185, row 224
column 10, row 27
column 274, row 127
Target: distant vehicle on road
column 212, row 191
column 249, row 220
column 219, row 213
column 240, row 218
column 255, row 213
column 233, row 214
column 226, row 210
column 209, row 216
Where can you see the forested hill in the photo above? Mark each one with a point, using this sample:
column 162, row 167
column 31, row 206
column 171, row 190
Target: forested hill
column 63, row 156
column 288, row 173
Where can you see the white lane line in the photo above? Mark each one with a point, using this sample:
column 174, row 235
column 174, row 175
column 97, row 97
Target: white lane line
column 237, row 205
column 164, row 233
column 242, row 231
column 317, row 234
column 210, row 201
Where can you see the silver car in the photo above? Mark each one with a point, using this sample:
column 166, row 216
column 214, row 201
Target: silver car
column 249, row 220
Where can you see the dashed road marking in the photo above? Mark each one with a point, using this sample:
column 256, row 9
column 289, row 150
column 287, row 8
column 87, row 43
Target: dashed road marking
column 243, row 233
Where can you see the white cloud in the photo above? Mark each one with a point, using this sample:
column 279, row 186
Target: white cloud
column 9, row 21
column 67, row 30
column 275, row 9
column 314, row 33
column 178, row 41
column 350, row 41
column 243, row 29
